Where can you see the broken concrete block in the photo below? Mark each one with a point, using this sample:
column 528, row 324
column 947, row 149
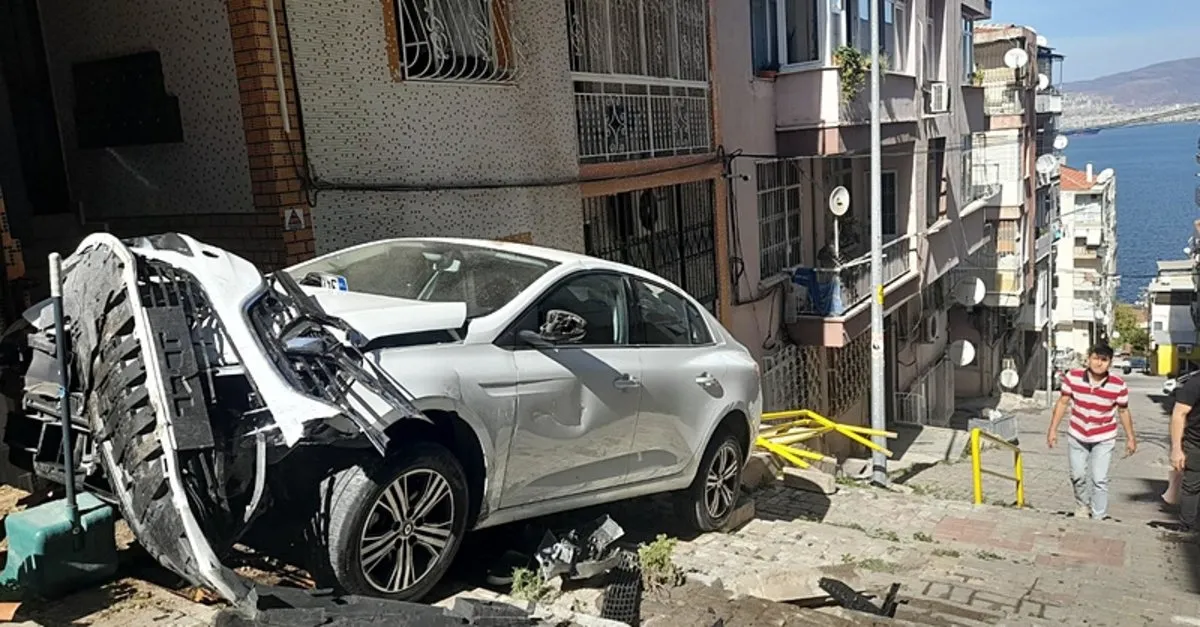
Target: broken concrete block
column 587, row 620
column 742, row 514
column 857, row 468
column 809, row 480
column 704, row 579
column 761, row 471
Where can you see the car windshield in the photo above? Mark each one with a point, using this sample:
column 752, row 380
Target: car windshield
column 484, row 278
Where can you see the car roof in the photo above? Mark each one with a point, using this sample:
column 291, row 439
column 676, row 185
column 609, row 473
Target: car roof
column 556, row 255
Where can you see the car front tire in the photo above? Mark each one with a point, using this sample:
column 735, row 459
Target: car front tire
column 708, row 504
column 392, row 530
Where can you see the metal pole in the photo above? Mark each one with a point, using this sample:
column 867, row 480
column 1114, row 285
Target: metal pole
column 1050, row 319
column 878, row 386
column 64, row 389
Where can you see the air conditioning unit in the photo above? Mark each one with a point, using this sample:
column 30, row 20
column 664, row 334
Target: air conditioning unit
column 939, row 98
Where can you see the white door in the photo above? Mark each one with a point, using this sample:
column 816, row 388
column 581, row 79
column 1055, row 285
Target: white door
column 577, row 404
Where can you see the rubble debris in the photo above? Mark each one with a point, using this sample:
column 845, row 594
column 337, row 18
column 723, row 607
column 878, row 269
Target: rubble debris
column 279, row 606
column 848, row 598
column 622, row 599
column 576, row 559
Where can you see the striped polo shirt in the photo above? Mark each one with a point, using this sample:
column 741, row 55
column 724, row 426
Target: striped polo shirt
column 1094, row 405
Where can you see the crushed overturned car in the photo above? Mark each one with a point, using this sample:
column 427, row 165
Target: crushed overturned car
column 217, row 407
column 174, row 422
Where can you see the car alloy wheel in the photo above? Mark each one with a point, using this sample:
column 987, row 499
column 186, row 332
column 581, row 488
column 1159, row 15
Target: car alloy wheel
column 407, row 531
column 720, row 485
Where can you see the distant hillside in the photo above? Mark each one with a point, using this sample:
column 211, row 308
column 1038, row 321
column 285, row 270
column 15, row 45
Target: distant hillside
column 1158, row 85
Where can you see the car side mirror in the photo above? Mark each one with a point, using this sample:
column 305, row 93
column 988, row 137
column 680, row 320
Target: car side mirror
column 535, row 339
column 563, row 327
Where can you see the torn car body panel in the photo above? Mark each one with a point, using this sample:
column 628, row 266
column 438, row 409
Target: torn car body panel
column 189, row 369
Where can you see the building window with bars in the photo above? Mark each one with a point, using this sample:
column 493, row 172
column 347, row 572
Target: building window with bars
column 968, row 51
column 667, row 230
column 457, row 40
column 779, row 211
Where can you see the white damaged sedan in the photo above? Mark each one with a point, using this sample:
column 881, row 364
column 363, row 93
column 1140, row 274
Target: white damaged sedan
column 383, row 399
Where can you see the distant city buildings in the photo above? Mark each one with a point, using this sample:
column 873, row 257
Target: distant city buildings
column 1084, row 264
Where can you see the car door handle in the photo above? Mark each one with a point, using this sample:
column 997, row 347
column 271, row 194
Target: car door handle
column 706, row 379
column 625, row 382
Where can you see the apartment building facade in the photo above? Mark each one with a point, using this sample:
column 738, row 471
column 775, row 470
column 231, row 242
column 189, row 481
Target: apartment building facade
column 1173, row 337
column 1085, row 273
column 1007, row 317
column 284, row 129
column 795, row 119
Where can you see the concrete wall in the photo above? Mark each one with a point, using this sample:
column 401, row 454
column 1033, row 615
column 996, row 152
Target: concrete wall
column 209, row 171
column 365, row 127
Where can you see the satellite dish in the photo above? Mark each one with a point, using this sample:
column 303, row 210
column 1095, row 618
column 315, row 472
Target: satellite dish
column 839, row 201
column 1043, row 82
column 1045, row 164
column 1061, row 142
column 1016, row 58
column 962, row 352
column 1103, row 177
column 1009, row 378
column 1042, row 42
column 970, row 292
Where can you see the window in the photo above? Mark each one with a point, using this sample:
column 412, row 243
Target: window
column 456, row 40
column 890, row 224
column 966, row 154
column 935, row 161
column 764, row 35
column 968, row 50
column 778, row 216
column 893, row 30
column 600, row 299
column 932, row 44
column 484, row 278
column 800, row 31
column 664, row 318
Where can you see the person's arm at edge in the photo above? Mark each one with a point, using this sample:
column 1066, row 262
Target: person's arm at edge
column 1126, row 421
column 1060, row 409
column 1185, row 398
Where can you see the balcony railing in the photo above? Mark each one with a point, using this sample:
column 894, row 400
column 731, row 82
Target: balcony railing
column 634, row 117
column 833, row 291
column 1003, row 100
column 1049, row 103
column 985, row 180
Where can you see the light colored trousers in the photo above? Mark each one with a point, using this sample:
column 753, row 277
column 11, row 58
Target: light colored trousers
column 1099, row 457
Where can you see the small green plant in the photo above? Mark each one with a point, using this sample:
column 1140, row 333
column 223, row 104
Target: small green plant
column 921, row 536
column 528, row 585
column 854, row 68
column 657, row 562
column 884, row 534
column 879, row 565
column 988, row 556
column 977, row 78
column 854, row 526
column 946, row 553
column 847, row 558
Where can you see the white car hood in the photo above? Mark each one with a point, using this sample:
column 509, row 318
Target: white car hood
column 379, row 316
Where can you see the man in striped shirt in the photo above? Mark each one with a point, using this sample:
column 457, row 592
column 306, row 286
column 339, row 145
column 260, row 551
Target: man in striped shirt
column 1096, row 398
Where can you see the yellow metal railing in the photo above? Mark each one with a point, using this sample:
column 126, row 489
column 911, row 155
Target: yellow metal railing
column 805, row 425
column 977, row 470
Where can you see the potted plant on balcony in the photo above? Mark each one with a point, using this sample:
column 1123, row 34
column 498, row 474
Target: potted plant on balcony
column 977, row 77
column 854, row 67
column 767, row 71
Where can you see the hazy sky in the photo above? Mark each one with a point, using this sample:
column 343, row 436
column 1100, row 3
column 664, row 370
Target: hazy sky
column 1102, row 37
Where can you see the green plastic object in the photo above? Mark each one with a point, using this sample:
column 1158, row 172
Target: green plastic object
column 46, row 558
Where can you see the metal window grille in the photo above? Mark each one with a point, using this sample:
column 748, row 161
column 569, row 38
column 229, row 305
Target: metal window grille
column 458, row 40
column 779, row 196
column 666, row 230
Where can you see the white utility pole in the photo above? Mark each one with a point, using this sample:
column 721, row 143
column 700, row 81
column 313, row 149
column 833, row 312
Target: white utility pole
column 878, row 386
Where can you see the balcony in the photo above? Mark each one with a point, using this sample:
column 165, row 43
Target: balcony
column 1003, row 99
column 834, row 292
column 984, row 180
column 640, row 71
column 620, row 119
column 1049, row 103
column 1044, row 245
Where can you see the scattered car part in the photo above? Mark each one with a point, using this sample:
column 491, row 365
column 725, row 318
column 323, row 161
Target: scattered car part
column 581, row 553
column 848, row 598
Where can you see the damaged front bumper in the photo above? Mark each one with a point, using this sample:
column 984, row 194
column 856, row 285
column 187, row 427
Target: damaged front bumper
column 191, row 373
